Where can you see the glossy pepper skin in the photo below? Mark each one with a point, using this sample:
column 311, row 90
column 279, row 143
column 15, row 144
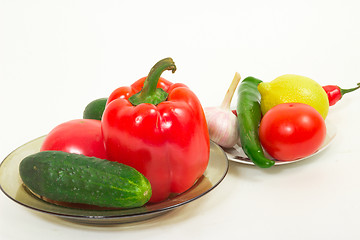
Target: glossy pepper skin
column 335, row 93
column 249, row 117
column 168, row 141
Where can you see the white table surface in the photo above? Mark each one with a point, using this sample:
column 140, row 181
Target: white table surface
column 56, row 56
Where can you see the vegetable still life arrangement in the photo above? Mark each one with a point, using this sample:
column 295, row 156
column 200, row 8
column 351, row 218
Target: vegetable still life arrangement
column 152, row 140
column 144, row 143
column 284, row 118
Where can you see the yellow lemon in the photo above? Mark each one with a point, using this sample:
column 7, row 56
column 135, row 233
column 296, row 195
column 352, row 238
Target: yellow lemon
column 293, row 88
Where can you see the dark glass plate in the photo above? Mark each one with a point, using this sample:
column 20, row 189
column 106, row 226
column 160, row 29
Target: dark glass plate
column 11, row 184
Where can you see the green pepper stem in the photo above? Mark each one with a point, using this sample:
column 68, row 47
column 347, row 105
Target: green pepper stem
column 343, row 91
column 150, row 93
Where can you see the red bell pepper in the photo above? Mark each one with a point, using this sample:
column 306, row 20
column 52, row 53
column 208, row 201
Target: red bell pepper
column 159, row 128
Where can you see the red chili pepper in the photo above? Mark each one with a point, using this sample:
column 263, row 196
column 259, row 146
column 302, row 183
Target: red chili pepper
column 159, row 128
column 335, row 93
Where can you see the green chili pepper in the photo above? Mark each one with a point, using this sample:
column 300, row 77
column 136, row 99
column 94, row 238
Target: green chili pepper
column 249, row 116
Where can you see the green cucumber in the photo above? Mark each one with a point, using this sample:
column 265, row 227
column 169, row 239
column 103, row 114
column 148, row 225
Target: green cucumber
column 95, row 109
column 75, row 178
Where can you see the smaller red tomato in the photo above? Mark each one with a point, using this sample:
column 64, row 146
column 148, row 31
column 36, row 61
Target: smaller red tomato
column 291, row 131
column 81, row 136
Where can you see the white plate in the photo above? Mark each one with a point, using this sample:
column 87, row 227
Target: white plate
column 237, row 154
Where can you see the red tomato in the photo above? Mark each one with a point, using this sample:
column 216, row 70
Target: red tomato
column 291, row 131
column 81, row 136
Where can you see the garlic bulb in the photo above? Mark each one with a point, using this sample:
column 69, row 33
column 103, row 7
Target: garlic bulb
column 222, row 122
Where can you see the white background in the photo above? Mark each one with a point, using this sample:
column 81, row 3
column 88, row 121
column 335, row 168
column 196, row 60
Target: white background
column 56, row 56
